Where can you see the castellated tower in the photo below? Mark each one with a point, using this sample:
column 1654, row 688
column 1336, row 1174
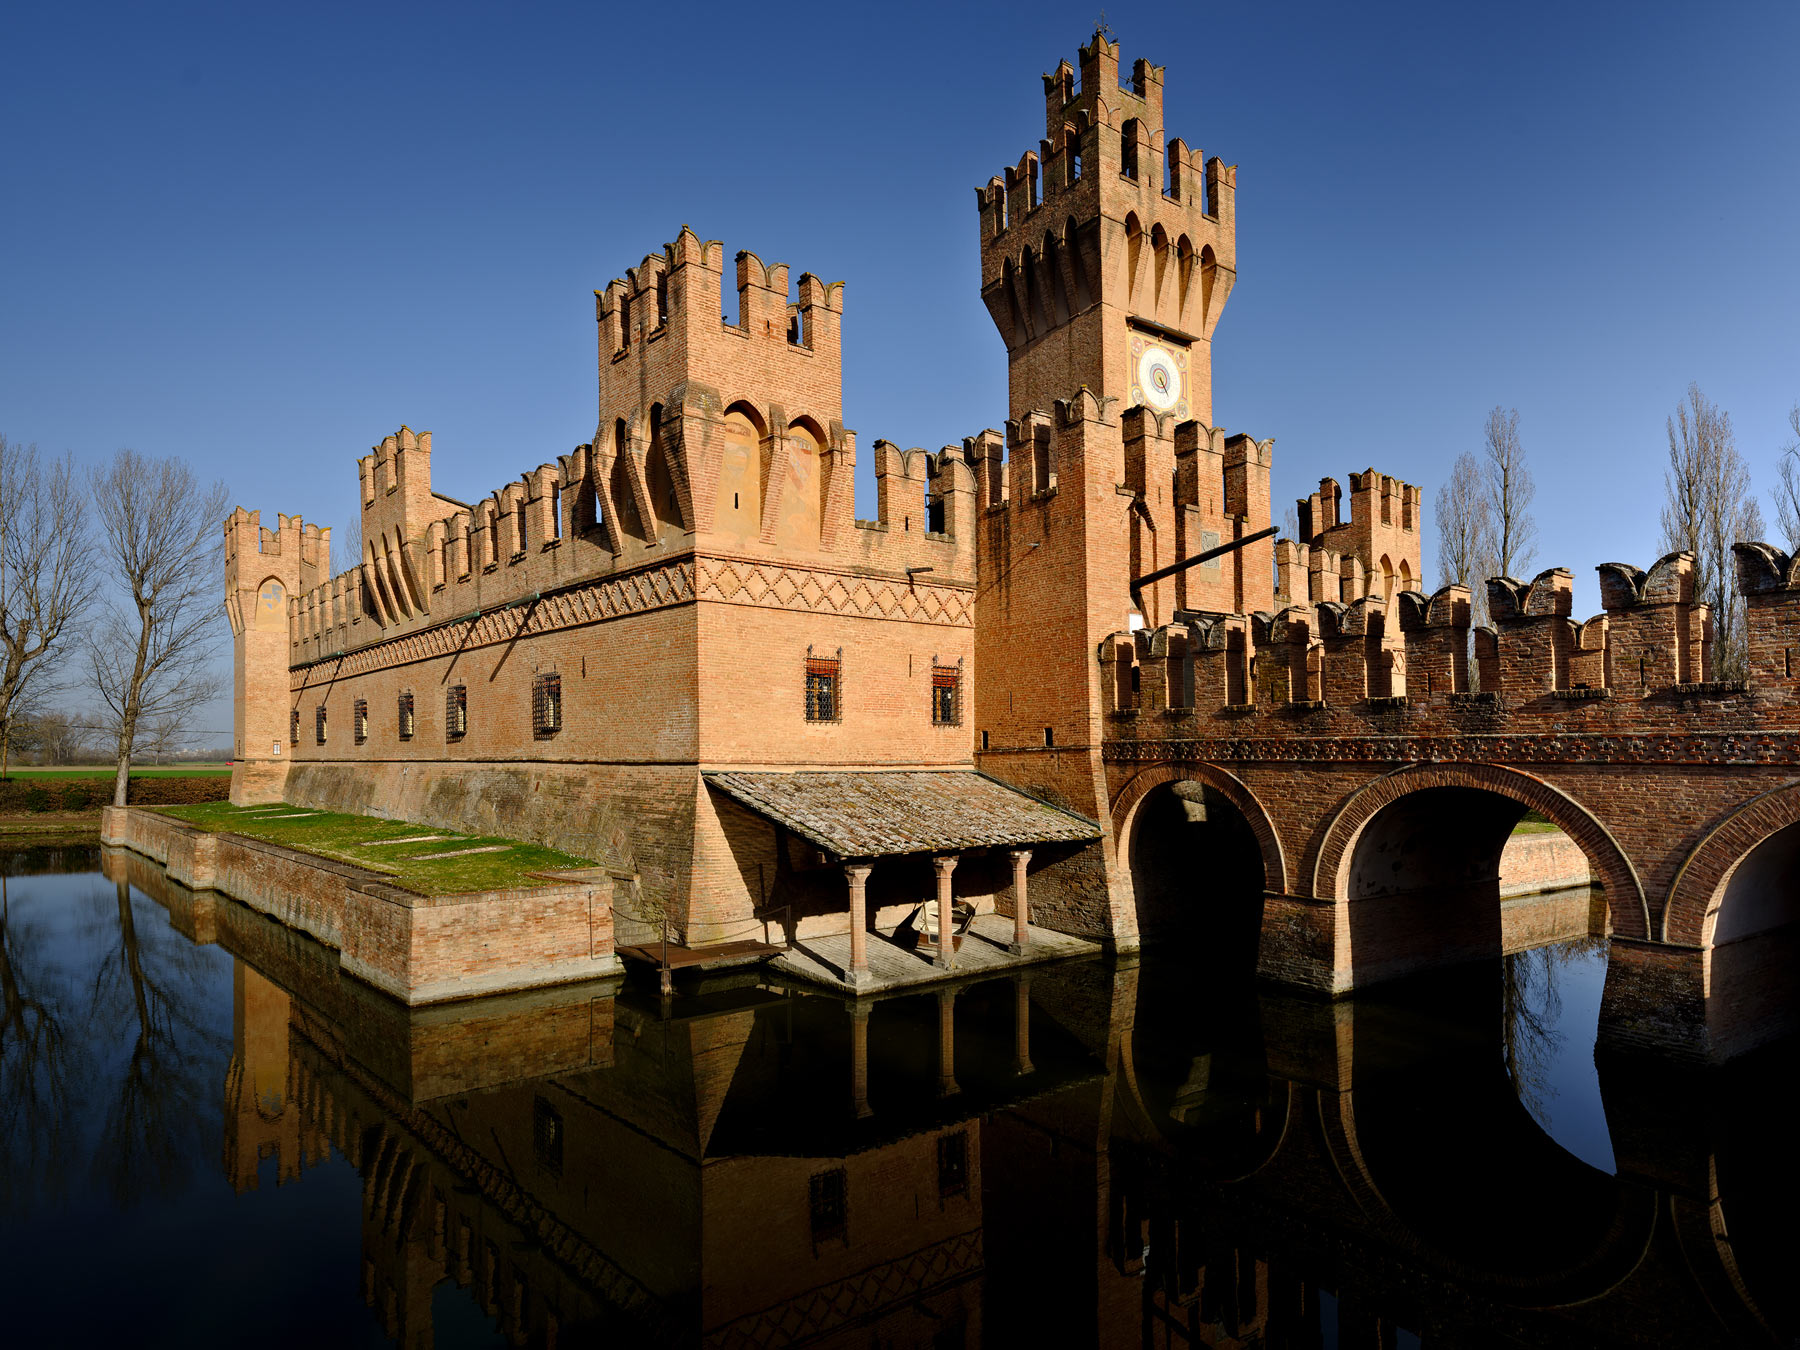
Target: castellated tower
column 264, row 571
column 1106, row 259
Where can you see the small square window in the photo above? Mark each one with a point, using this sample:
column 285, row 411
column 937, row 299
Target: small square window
column 406, row 721
column 294, row 727
column 546, row 704
column 360, row 720
column 456, row 712
column 953, row 1165
column 824, row 702
column 319, row 724
column 830, row 1205
column 946, row 696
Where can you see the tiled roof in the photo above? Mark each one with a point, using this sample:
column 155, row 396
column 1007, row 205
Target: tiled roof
column 879, row 814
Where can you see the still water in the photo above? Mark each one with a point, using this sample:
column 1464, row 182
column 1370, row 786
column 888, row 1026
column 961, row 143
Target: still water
column 210, row 1137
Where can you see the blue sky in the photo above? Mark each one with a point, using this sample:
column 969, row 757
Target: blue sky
column 264, row 236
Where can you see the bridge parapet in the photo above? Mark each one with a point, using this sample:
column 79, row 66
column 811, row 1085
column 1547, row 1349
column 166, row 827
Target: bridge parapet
column 1334, row 665
column 1769, row 581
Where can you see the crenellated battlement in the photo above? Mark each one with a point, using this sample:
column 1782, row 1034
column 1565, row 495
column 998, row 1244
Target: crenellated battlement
column 1377, row 550
column 1652, row 642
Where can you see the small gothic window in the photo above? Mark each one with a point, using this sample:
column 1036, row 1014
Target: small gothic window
column 319, row 724
column 546, row 704
column 456, row 712
column 830, row 1204
column 359, row 720
column 823, row 696
column 953, row 1164
column 946, row 695
column 294, row 727
column 405, row 719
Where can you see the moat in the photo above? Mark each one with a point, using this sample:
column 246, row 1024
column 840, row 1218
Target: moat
column 210, row 1135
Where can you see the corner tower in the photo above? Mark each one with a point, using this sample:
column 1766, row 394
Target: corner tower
column 1107, row 254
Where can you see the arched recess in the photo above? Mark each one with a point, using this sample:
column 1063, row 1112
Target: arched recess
column 798, row 523
column 1737, row 895
column 1071, row 241
column 738, row 509
column 1625, row 901
column 1134, row 248
column 1131, row 797
column 1699, row 888
column 1159, row 256
column 271, row 606
column 659, row 479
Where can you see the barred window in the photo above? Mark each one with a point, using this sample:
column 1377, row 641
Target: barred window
column 406, row 721
column 360, row 720
column 824, row 701
column 546, row 704
column 456, row 712
column 830, row 1204
column 294, row 727
column 319, row 724
column 946, row 695
column 953, row 1165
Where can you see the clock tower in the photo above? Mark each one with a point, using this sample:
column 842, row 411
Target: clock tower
column 1106, row 258
column 1107, row 254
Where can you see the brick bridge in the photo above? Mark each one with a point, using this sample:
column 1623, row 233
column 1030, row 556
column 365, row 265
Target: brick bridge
column 1352, row 768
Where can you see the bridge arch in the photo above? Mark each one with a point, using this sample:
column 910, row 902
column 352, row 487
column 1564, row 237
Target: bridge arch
column 1332, row 871
column 1699, row 889
column 1131, row 797
column 1201, row 853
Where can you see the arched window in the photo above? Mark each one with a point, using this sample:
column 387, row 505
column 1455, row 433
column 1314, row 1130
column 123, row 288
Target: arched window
column 1134, row 246
column 1071, row 155
column 1128, row 149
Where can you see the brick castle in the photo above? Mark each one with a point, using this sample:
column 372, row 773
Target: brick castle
column 614, row 651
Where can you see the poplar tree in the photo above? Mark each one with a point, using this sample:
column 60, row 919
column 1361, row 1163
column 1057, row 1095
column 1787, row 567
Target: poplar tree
column 1707, row 508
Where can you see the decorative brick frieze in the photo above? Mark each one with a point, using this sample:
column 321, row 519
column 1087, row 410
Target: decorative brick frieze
column 1729, row 748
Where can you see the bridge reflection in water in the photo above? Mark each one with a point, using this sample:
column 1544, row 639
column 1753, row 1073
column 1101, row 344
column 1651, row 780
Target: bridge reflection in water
column 1117, row 1154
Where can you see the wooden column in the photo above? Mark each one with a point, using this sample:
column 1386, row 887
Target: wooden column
column 946, row 947
column 1021, row 907
column 858, row 974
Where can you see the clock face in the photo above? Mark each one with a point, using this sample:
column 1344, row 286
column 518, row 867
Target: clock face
column 1159, row 376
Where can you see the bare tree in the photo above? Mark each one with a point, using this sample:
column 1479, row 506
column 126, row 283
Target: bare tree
column 1465, row 534
column 46, row 578
column 1508, row 489
column 162, row 541
column 347, row 546
column 1707, row 508
column 163, row 737
column 1787, row 484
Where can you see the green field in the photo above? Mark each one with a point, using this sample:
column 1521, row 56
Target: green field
column 137, row 771
column 345, row 838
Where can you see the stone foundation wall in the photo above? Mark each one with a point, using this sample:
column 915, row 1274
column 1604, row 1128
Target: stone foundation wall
column 420, row 949
column 1531, row 863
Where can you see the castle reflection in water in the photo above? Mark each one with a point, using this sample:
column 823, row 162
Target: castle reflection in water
column 1122, row 1154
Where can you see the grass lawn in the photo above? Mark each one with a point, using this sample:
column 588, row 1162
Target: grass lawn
column 345, row 838
column 137, row 771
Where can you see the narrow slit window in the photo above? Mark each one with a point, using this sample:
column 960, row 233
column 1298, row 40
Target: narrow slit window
column 546, row 704
column 405, row 720
column 824, row 701
column 359, row 720
column 556, row 511
column 456, row 712
column 519, row 526
column 946, row 695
